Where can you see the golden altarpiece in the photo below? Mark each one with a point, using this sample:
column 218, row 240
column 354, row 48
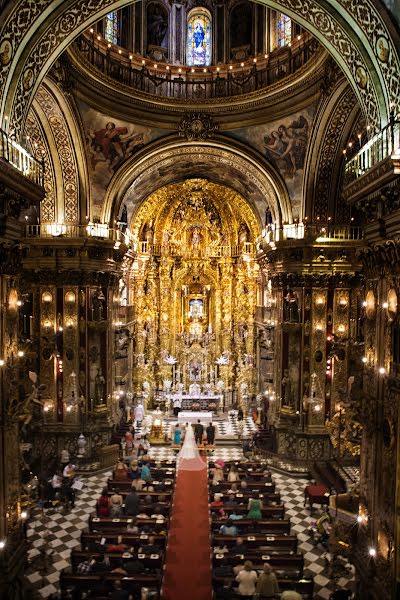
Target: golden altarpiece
column 193, row 283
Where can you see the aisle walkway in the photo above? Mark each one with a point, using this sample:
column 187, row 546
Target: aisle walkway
column 188, row 562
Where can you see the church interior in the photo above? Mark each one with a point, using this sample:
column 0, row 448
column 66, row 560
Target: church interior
column 200, row 233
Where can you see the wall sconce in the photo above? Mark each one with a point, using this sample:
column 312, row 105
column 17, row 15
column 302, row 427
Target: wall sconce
column 2, row 544
column 47, row 324
column 47, row 297
column 319, row 300
column 2, row 362
column 382, row 370
column 343, row 302
column 385, row 305
column 70, row 297
column 70, row 324
column 341, row 329
column 372, row 552
column 21, row 353
column 318, row 327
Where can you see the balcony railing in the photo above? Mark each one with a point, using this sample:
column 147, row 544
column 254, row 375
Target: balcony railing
column 316, row 232
column 19, row 158
column 100, row 231
column 196, row 84
column 385, row 144
column 245, row 249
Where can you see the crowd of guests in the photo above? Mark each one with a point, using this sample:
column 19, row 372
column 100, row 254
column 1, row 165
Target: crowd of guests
column 56, row 483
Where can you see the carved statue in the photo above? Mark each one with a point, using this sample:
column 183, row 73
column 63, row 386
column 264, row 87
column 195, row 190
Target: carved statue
column 99, row 384
column 291, row 307
column 242, row 234
column 286, row 389
column 98, row 307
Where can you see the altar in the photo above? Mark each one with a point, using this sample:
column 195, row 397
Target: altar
column 190, row 416
column 198, row 401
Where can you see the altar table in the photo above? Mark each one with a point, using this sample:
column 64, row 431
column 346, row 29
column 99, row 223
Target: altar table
column 186, row 416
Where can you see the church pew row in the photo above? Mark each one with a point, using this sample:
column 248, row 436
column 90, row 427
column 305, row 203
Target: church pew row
column 121, row 523
column 157, row 497
column 244, row 497
column 268, row 512
column 273, row 526
column 248, row 476
column 89, row 540
column 272, row 542
column 125, row 486
column 159, row 473
column 257, row 486
column 305, row 587
column 149, row 509
column 150, row 561
column 82, row 583
column 285, row 563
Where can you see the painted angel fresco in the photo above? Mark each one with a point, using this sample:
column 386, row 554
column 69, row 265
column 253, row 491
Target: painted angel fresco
column 286, row 146
column 113, row 145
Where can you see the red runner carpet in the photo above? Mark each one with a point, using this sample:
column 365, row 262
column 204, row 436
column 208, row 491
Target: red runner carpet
column 187, row 573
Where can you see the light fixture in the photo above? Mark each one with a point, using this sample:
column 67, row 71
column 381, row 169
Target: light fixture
column 19, row 303
column 341, row 328
column 130, row 57
column 364, row 303
column 2, row 544
column 2, row 362
column 382, row 370
column 21, row 353
column 108, row 45
column 60, row 328
column 47, row 297
column 70, row 324
column 359, row 519
column 70, row 297
column 120, row 51
column 91, row 30
column 320, row 300
column 24, row 515
column 384, row 305
column 364, row 359
column 99, row 37
column 372, row 552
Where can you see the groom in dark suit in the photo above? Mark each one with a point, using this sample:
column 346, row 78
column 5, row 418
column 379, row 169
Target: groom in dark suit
column 198, row 432
column 210, row 434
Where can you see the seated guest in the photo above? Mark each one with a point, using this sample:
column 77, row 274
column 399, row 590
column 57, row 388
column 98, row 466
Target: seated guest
column 291, row 595
column 229, row 529
column 118, row 568
column 217, row 502
column 56, row 481
column 239, row 547
column 116, row 509
column 266, row 475
column 100, row 564
column 220, row 549
column 233, row 474
column 157, row 514
column 233, row 489
column 133, row 471
column 137, row 484
column 118, row 593
column 147, row 487
column 145, row 473
column 133, row 566
column 232, row 500
column 132, row 503
column 132, row 528
column 84, row 567
column 243, row 486
column 267, row 584
column 218, row 473
column 69, row 471
column 150, row 547
column 234, row 516
column 120, row 471
column 103, row 504
column 238, row 565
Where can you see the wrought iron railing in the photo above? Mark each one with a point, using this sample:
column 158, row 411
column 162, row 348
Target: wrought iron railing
column 314, row 231
column 385, row 144
column 196, row 84
column 19, row 158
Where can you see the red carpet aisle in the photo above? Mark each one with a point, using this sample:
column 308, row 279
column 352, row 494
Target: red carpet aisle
column 188, row 563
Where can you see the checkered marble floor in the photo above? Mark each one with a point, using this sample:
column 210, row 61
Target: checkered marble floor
column 58, row 533
column 315, row 556
column 226, row 427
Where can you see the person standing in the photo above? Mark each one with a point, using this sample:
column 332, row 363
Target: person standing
column 64, row 458
column 247, row 579
column 267, row 584
column 177, row 435
column 210, row 434
column 139, row 413
column 177, row 406
column 198, row 432
column 254, row 507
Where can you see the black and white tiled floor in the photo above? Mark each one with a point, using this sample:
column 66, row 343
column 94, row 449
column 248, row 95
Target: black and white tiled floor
column 59, row 532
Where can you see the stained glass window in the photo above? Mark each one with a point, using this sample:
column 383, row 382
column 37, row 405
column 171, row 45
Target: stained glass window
column 111, row 27
column 198, row 45
column 283, row 30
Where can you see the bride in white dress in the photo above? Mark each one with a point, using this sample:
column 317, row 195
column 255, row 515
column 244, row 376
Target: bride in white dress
column 189, row 457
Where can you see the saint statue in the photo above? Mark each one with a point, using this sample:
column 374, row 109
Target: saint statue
column 286, row 389
column 99, row 383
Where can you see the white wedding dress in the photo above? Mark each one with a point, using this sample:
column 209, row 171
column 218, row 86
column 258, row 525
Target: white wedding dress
column 189, row 458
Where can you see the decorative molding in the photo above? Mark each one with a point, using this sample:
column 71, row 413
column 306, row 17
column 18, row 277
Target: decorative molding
column 197, row 126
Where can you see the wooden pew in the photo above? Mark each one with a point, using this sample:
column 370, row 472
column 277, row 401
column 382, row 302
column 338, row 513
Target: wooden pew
column 288, row 542
column 282, row 562
column 272, row 526
column 305, row 587
column 121, row 523
column 126, row 486
column 130, row 539
column 150, row 561
column 83, row 583
column 257, row 486
column 268, row 512
column 243, row 498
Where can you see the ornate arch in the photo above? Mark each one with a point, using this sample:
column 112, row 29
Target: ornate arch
column 34, row 34
column 219, row 160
